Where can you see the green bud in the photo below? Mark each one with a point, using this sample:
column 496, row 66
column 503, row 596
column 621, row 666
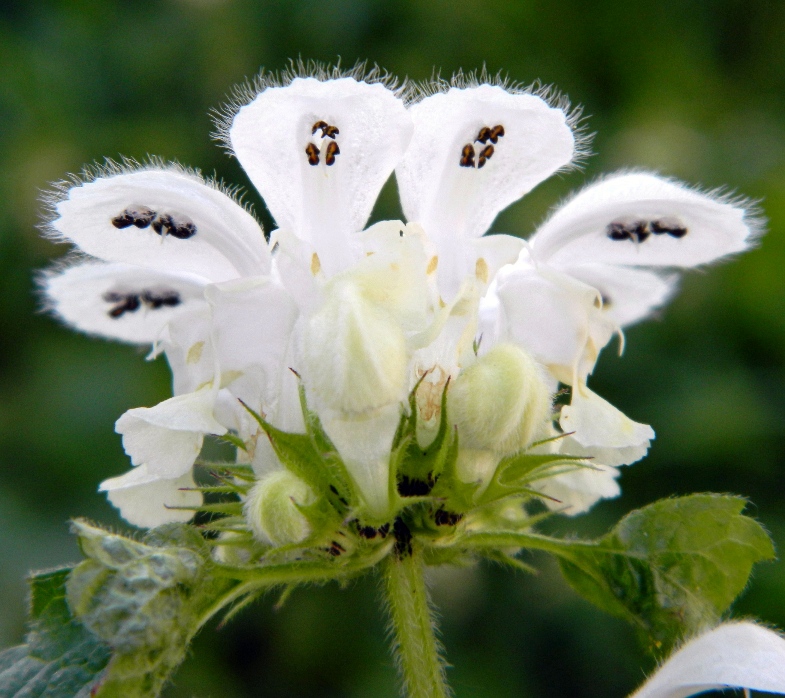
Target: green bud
column 500, row 402
column 271, row 508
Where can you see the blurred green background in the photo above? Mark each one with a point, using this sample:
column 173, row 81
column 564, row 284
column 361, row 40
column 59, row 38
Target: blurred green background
column 693, row 89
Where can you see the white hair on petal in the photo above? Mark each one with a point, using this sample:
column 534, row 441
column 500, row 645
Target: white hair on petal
column 548, row 93
column 244, row 93
column 110, row 168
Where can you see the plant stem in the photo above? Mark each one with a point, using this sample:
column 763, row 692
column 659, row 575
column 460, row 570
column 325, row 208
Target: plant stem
column 413, row 626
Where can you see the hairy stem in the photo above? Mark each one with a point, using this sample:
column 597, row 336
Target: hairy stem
column 413, row 626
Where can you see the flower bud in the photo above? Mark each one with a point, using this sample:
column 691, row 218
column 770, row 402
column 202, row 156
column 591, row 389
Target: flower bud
column 271, row 508
column 499, row 402
column 353, row 353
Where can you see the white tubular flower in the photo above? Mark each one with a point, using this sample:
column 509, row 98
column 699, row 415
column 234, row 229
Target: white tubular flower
column 362, row 315
column 733, row 655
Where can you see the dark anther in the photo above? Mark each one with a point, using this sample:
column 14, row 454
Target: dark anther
column 336, row 549
column 403, row 538
column 313, row 154
column 670, row 227
column 160, row 299
column 126, row 303
column 327, row 130
column 637, row 231
column 384, row 530
column 467, row 156
column 183, row 231
column 485, row 154
column 331, row 151
column 142, row 217
column 484, row 135
column 446, row 518
column 496, row 133
column 163, row 223
column 409, row 487
column 124, row 220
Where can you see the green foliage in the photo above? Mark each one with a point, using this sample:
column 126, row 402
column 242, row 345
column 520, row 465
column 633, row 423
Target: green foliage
column 671, row 568
column 62, row 659
column 144, row 599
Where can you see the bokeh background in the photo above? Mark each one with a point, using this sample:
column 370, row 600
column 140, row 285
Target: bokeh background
column 693, row 89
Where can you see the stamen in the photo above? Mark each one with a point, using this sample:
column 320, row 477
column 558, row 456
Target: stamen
column 496, row 133
column 483, row 135
column 433, row 262
column 331, row 152
column 672, row 227
column 163, row 223
column 481, row 270
column 328, row 131
column 313, row 154
column 467, row 156
column 637, row 231
column 485, row 155
column 316, row 265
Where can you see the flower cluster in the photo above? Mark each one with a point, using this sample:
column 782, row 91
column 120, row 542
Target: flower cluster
column 426, row 323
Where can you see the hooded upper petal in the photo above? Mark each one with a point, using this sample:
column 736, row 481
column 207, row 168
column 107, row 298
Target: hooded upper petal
column 641, row 219
column 732, row 655
column 121, row 301
column 474, row 152
column 319, row 152
column 166, row 219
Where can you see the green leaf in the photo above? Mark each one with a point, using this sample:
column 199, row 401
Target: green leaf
column 62, row 658
column 671, row 568
column 145, row 600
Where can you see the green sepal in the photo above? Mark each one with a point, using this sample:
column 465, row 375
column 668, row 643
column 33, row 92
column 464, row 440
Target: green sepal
column 425, row 464
column 301, row 454
column 61, row 658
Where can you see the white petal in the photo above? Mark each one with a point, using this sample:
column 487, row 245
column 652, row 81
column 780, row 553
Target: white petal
column 321, row 203
column 364, row 444
column 168, row 437
column 120, row 301
column 352, row 352
column 628, row 294
column 189, row 350
column 222, row 242
column 732, row 655
column 143, row 497
column 552, row 315
column 252, row 327
column 704, row 227
column 605, row 433
column 580, row 489
column 455, row 203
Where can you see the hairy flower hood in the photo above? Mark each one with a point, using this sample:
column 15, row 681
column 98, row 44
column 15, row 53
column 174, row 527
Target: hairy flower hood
column 364, row 316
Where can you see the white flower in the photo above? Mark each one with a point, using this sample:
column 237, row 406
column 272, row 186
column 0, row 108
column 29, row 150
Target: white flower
column 732, row 655
column 362, row 315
